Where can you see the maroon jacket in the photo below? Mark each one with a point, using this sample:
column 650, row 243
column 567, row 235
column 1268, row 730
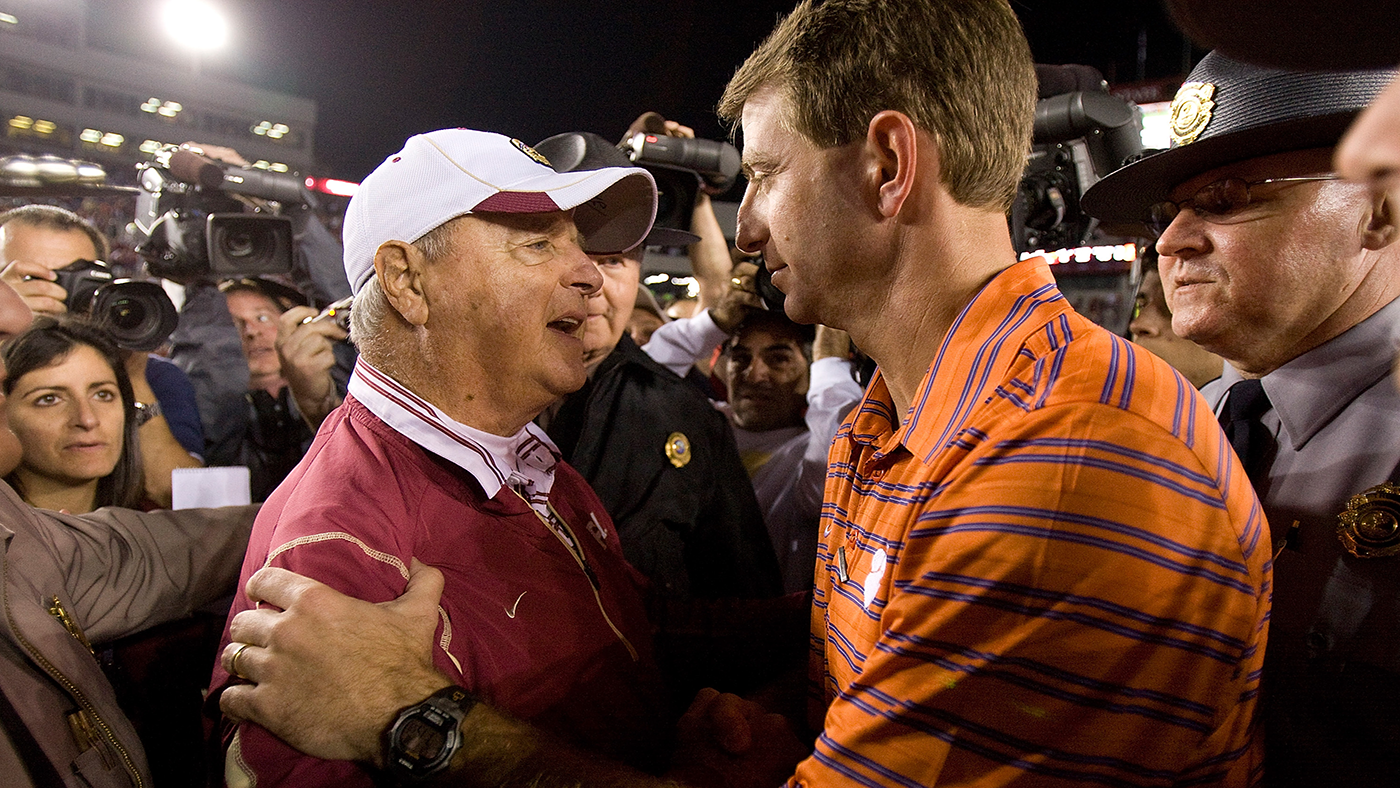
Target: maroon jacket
column 521, row 624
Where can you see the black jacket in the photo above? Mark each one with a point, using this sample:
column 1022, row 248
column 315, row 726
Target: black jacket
column 695, row 530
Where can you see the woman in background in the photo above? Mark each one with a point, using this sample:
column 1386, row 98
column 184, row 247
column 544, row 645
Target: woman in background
column 70, row 403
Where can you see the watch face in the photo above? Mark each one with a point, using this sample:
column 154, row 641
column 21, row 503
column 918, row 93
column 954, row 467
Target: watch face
column 420, row 741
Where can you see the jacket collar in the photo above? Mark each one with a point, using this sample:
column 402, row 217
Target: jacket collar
column 525, row 461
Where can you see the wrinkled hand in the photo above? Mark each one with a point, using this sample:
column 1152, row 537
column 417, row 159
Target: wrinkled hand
column 37, row 285
column 724, row 740
column 307, row 355
column 328, row 672
column 739, row 299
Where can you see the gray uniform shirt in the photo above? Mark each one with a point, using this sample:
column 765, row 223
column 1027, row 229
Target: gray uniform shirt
column 1332, row 673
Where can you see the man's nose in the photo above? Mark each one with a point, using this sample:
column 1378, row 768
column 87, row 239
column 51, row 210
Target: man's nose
column 751, row 231
column 1143, row 327
column 1184, row 235
column 757, row 371
column 582, row 273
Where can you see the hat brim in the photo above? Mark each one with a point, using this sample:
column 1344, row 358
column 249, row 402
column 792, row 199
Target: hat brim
column 670, row 237
column 581, row 151
column 1300, row 34
column 1122, row 198
column 613, row 207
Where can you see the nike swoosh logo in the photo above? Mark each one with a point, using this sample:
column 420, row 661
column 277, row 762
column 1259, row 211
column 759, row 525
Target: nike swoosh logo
column 511, row 611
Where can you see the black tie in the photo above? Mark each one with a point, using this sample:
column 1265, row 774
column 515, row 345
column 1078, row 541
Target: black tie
column 1244, row 404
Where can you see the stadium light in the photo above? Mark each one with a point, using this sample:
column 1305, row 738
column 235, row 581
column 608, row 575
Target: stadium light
column 195, row 25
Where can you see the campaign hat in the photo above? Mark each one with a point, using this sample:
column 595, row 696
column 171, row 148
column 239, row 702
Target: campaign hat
column 1228, row 111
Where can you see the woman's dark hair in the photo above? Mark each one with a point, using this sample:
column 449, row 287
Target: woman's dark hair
column 49, row 341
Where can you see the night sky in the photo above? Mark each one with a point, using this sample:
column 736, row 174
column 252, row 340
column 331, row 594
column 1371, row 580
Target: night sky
column 382, row 71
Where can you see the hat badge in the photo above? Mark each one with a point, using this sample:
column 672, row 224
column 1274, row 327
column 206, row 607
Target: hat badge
column 678, row 449
column 1370, row 525
column 531, row 152
column 1191, row 111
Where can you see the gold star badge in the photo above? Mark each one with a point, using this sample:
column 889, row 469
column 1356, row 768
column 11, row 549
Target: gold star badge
column 1191, row 111
column 1370, row 526
column 678, row 449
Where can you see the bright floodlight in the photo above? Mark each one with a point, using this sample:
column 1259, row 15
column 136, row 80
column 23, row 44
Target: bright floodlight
column 195, row 25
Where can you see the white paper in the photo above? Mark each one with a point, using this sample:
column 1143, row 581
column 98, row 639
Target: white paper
column 198, row 487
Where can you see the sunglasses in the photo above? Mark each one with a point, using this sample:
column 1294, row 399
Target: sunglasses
column 1217, row 200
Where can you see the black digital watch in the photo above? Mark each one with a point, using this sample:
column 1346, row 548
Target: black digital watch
column 424, row 737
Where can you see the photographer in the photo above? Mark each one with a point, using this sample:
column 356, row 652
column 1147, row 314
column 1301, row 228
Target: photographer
column 279, row 349
column 36, row 241
column 659, row 457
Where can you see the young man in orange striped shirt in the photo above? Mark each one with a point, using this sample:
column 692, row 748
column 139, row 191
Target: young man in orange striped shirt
column 1039, row 559
column 1040, row 562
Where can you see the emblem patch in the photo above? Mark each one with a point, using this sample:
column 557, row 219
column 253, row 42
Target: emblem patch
column 871, row 586
column 1370, row 526
column 531, row 152
column 1191, row 111
column 678, row 449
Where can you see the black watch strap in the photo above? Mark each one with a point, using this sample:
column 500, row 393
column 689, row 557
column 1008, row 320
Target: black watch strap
column 423, row 738
column 145, row 411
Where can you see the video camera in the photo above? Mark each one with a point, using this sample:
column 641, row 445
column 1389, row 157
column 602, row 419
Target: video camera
column 1081, row 134
column 137, row 314
column 191, row 226
column 678, row 165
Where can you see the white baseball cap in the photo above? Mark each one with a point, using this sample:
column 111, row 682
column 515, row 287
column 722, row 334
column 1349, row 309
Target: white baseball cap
column 448, row 173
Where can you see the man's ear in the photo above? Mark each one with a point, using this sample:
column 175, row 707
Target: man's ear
column 399, row 268
column 892, row 141
column 1380, row 230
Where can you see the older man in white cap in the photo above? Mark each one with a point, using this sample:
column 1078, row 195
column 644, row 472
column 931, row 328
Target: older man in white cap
column 469, row 257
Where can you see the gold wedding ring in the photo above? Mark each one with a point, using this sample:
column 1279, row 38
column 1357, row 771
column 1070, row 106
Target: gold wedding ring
column 737, row 282
column 233, row 663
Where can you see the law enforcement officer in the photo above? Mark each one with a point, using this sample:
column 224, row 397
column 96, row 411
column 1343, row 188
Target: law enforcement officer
column 1292, row 275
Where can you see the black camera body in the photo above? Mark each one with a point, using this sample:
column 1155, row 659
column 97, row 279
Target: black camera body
column 137, row 314
column 1079, row 137
column 678, row 164
column 190, row 227
column 1081, row 134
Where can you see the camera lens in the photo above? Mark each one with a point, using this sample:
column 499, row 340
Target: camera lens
column 126, row 314
column 139, row 315
column 249, row 245
column 240, row 244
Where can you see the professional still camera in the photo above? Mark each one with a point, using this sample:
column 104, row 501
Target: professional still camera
column 679, row 165
column 137, row 314
column 191, row 225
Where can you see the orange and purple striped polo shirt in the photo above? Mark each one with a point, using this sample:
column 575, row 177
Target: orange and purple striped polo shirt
column 1053, row 572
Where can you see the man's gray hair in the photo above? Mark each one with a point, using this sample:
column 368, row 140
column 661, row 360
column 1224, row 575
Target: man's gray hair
column 371, row 305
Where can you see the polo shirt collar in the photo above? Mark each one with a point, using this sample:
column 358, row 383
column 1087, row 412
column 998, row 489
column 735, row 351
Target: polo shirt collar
column 979, row 349
column 1310, row 391
column 524, row 461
